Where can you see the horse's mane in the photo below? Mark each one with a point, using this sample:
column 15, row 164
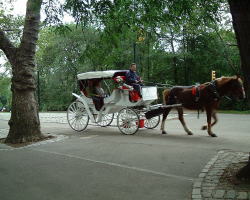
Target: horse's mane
column 225, row 79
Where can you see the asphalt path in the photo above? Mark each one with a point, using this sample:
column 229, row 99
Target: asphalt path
column 101, row 163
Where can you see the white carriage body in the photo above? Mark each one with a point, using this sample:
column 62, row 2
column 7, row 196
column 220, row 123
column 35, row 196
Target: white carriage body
column 118, row 100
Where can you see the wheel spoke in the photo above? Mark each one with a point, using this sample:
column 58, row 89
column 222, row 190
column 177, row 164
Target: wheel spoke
column 152, row 123
column 127, row 121
column 106, row 120
column 77, row 116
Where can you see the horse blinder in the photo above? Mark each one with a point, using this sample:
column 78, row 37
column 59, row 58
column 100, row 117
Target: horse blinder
column 213, row 88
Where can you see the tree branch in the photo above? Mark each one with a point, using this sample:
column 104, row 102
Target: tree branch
column 232, row 45
column 6, row 46
column 3, row 74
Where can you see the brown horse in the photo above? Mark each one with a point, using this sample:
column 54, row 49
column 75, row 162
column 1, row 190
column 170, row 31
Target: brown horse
column 205, row 96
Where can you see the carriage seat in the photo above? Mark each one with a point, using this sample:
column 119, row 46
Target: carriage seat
column 119, row 79
column 133, row 94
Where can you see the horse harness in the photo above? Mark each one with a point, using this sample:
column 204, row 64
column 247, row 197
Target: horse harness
column 196, row 92
column 213, row 87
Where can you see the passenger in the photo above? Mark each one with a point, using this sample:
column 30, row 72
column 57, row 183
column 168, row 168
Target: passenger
column 133, row 79
column 98, row 89
column 95, row 91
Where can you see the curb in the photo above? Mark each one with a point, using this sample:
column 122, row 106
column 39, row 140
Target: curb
column 56, row 139
column 196, row 192
column 207, row 187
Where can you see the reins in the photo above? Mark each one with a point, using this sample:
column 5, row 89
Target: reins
column 160, row 85
column 228, row 98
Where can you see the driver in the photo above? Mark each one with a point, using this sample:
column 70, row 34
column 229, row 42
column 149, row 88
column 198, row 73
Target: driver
column 133, row 79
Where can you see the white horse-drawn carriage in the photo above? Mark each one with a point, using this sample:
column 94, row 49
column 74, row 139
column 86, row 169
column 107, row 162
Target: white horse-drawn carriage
column 121, row 104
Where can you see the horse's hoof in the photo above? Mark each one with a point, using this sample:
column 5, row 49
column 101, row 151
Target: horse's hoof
column 213, row 135
column 163, row 132
column 204, row 127
column 190, row 133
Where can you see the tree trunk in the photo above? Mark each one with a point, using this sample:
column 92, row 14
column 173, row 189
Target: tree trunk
column 244, row 172
column 24, row 122
column 240, row 10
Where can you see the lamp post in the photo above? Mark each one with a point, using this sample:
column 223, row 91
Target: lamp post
column 134, row 52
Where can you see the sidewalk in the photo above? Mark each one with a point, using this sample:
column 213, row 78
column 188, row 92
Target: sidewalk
column 51, row 117
column 45, row 117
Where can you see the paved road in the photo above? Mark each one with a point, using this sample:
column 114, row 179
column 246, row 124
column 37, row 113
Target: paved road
column 103, row 164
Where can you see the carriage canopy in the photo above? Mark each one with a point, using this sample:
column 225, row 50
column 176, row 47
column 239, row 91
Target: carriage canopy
column 101, row 74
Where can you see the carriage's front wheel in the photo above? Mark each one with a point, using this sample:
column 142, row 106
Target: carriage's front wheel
column 77, row 116
column 152, row 123
column 128, row 121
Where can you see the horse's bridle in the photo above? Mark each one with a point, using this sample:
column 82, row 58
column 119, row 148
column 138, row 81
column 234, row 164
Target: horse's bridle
column 213, row 86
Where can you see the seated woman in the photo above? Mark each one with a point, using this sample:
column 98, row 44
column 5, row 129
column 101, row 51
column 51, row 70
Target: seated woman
column 95, row 91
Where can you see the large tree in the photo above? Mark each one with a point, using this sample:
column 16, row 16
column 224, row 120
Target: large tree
column 24, row 122
column 240, row 10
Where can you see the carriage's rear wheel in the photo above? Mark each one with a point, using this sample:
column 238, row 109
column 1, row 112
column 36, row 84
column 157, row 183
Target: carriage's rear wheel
column 106, row 120
column 128, row 121
column 77, row 116
column 152, row 123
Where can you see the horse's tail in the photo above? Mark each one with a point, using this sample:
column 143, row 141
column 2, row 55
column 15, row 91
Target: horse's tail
column 165, row 94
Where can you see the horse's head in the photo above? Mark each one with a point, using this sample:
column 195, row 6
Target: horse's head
column 232, row 86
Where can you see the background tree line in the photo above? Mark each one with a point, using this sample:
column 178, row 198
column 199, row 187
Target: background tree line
column 181, row 54
column 179, row 49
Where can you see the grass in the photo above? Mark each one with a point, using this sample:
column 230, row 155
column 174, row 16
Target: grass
column 234, row 111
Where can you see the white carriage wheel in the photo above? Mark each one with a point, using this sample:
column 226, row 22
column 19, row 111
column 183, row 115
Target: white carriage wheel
column 77, row 116
column 128, row 121
column 152, row 123
column 106, row 120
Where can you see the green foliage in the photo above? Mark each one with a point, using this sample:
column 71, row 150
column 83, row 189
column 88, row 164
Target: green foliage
column 62, row 55
column 58, row 62
column 5, row 93
column 12, row 25
column 174, row 42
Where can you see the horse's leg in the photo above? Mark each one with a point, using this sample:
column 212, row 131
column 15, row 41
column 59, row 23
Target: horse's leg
column 214, row 116
column 165, row 114
column 181, row 118
column 209, row 125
